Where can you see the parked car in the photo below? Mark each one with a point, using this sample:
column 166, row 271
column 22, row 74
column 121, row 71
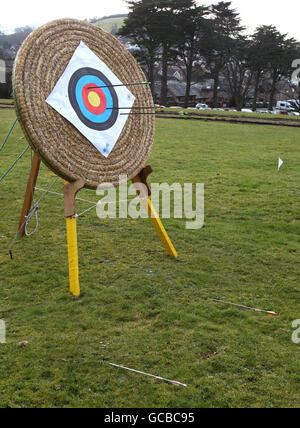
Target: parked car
column 202, row 107
column 268, row 111
column 295, row 104
column 284, row 106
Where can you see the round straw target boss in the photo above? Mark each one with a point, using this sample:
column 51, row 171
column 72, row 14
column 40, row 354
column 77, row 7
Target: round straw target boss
column 75, row 87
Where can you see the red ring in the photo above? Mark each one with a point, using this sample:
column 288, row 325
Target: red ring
column 85, row 93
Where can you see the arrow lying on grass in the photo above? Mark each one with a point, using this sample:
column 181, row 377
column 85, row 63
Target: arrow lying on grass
column 275, row 314
column 175, row 382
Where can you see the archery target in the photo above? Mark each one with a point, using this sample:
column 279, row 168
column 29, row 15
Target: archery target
column 89, row 95
column 44, row 68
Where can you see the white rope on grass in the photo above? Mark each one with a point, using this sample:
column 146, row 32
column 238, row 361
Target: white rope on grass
column 32, row 212
column 7, row 137
column 62, row 195
column 108, row 203
column 86, row 211
column 89, row 202
column 15, row 162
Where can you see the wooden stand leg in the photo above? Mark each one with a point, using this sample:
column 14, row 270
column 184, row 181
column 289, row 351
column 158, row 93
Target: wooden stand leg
column 36, row 162
column 70, row 191
column 152, row 214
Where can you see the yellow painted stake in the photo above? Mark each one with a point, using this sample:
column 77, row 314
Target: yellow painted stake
column 73, row 255
column 159, row 227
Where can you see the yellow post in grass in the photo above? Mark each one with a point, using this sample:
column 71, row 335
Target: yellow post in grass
column 73, row 256
column 144, row 192
column 70, row 191
column 159, row 227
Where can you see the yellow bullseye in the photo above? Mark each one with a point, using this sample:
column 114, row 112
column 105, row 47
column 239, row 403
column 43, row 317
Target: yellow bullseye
column 94, row 99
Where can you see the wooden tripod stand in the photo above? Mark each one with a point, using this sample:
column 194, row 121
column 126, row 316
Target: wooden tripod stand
column 70, row 192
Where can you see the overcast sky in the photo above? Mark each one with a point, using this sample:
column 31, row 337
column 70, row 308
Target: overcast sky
column 18, row 13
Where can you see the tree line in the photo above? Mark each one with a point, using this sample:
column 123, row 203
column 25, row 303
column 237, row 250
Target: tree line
column 9, row 44
column 170, row 32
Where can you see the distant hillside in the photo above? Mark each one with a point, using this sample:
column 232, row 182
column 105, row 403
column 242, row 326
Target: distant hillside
column 111, row 24
column 16, row 38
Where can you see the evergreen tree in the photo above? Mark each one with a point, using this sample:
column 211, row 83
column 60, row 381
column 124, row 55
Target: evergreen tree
column 170, row 14
column 141, row 28
column 238, row 74
column 222, row 28
column 157, row 28
column 190, row 26
column 259, row 56
column 281, row 55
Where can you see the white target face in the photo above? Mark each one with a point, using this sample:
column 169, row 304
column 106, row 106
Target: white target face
column 89, row 95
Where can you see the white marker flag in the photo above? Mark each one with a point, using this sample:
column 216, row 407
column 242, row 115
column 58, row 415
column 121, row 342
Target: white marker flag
column 87, row 96
column 280, row 163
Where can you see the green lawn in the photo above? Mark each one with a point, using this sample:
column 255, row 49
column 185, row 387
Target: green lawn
column 108, row 24
column 144, row 310
column 233, row 114
column 8, row 101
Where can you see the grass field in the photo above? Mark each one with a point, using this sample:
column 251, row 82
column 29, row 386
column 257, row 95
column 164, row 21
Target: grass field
column 234, row 114
column 144, row 310
column 108, row 24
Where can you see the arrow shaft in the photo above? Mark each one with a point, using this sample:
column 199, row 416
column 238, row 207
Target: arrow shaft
column 123, row 84
column 150, row 375
column 244, row 307
column 129, row 108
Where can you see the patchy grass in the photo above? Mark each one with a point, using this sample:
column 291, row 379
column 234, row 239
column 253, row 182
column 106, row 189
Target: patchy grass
column 144, row 310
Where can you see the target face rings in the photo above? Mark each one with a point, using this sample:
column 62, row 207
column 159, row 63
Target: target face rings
column 93, row 99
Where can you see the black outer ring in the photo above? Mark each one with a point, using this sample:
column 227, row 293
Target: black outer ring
column 72, row 97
